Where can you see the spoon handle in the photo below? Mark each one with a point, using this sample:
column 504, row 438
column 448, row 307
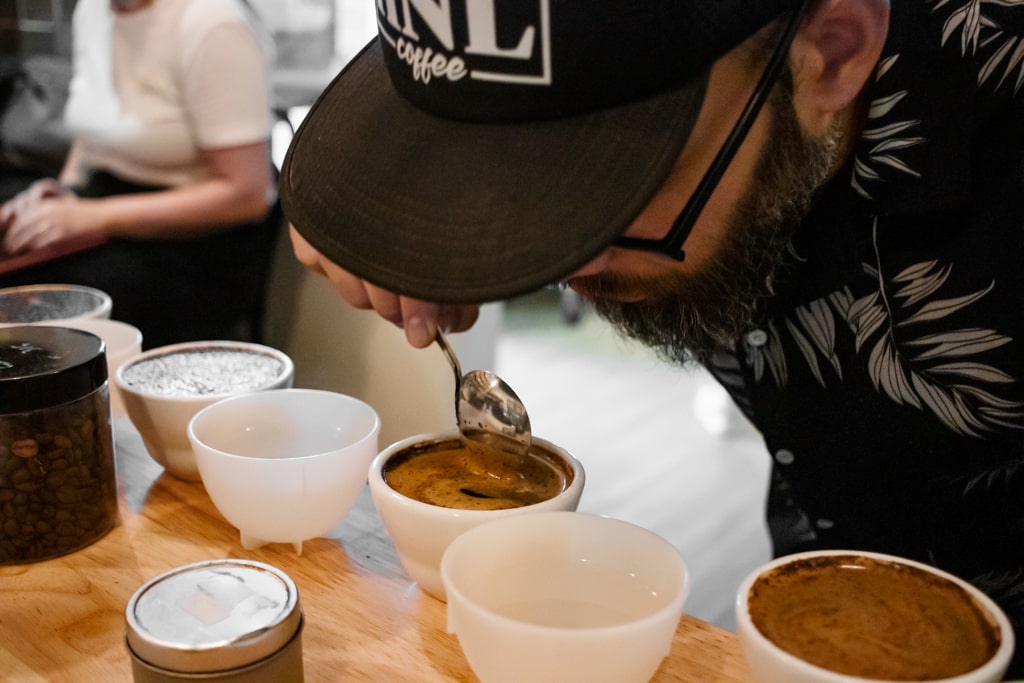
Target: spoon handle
column 456, row 368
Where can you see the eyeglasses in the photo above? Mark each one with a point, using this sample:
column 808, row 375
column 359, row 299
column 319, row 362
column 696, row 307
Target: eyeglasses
column 671, row 244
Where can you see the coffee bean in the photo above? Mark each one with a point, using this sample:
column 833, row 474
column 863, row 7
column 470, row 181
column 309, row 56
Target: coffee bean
column 67, row 494
column 57, row 485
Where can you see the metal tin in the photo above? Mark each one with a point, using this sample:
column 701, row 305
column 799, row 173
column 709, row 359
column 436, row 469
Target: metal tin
column 219, row 620
column 58, row 489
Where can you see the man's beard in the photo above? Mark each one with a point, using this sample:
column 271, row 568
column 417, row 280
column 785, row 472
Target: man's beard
column 694, row 316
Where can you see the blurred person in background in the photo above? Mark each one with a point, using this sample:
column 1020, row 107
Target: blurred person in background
column 169, row 169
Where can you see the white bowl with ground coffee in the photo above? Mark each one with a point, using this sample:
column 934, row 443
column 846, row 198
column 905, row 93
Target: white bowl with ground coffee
column 163, row 388
column 430, row 488
column 842, row 616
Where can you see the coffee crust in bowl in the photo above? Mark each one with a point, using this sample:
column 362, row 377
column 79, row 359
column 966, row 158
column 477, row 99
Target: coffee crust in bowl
column 462, row 474
column 874, row 619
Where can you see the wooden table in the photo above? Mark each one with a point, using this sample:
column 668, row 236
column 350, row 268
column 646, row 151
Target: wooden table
column 63, row 619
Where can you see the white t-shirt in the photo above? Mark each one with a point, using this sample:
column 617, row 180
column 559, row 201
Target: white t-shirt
column 182, row 76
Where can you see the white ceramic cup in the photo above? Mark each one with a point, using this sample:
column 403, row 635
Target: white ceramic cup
column 769, row 663
column 564, row 597
column 162, row 419
column 31, row 304
column 285, row 465
column 421, row 532
column 122, row 341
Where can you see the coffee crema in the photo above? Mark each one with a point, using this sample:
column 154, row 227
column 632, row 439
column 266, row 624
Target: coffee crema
column 871, row 618
column 462, row 474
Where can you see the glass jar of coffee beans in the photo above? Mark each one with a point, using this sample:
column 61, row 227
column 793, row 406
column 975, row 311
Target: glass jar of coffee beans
column 58, row 490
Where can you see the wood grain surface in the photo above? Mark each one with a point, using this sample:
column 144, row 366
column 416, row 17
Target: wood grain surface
column 63, row 619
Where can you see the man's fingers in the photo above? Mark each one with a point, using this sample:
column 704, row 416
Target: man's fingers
column 419, row 319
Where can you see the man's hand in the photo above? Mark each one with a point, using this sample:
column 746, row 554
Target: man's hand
column 420, row 319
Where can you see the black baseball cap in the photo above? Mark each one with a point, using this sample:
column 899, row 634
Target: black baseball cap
column 477, row 150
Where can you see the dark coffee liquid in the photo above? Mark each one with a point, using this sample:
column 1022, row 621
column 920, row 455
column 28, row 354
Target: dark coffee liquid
column 456, row 473
column 873, row 619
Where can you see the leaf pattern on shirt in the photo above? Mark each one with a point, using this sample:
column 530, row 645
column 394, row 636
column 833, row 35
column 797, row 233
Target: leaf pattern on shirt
column 885, row 139
column 770, row 356
column 979, row 34
column 1006, row 588
column 726, row 368
column 999, row 475
column 937, row 371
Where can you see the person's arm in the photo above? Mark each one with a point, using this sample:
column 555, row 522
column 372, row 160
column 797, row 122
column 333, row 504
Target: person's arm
column 420, row 319
column 71, row 172
column 236, row 192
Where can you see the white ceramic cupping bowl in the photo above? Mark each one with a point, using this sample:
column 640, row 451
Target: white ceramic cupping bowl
column 564, row 597
column 162, row 420
column 30, row 304
column 122, row 341
column 771, row 664
column 286, row 465
column 421, row 532
column 77, row 307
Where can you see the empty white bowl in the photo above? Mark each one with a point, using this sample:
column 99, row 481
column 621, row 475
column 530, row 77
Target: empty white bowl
column 163, row 395
column 286, row 465
column 41, row 303
column 564, row 597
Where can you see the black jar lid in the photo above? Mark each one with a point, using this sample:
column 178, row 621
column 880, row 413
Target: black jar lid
column 43, row 366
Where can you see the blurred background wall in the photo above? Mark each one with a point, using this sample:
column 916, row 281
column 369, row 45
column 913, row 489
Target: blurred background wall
column 35, row 26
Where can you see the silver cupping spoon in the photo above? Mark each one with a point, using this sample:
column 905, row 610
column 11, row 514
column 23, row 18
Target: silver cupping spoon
column 487, row 410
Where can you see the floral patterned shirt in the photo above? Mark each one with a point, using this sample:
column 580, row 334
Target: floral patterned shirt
column 888, row 375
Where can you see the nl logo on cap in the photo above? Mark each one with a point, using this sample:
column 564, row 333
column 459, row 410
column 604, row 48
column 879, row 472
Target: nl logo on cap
column 530, row 60
column 470, row 59
column 474, row 39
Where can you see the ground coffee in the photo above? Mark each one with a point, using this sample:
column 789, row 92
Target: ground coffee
column 870, row 618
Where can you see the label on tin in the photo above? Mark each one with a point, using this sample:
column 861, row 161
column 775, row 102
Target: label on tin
column 212, row 614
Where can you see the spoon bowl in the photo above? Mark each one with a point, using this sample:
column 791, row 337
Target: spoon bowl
column 486, row 408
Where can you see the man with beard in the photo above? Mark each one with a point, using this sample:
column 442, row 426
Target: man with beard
column 819, row 200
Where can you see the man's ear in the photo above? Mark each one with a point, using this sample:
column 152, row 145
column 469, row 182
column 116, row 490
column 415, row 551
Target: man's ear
column 834, row 54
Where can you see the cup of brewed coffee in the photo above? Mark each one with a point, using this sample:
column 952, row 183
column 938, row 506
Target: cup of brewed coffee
column 842, row 616
column 430, row 488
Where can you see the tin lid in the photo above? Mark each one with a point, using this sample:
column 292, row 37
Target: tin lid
column 213, row 615
column 43, row 366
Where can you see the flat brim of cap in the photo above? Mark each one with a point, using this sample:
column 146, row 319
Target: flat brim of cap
column 465, row 212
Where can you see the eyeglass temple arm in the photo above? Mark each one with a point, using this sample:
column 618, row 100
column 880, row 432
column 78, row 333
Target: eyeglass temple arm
column 672, row 243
